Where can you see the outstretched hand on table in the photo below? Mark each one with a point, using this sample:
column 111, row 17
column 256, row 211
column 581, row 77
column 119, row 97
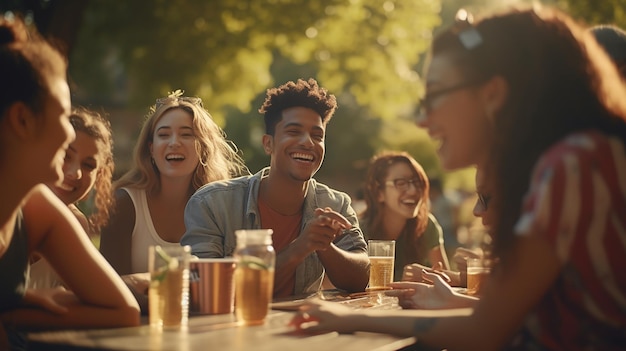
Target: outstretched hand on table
column 319, row 316
column 438, row 295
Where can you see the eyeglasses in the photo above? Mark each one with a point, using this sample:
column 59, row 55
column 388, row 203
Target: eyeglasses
column 484, row 200
column 402, row 184
column 425, row 104
column 173, row 98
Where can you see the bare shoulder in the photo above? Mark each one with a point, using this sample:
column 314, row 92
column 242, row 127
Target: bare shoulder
column 43, row 211
column 41, row 205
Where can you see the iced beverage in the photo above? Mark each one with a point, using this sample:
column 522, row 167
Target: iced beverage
column 168, row 294
column 254, row 283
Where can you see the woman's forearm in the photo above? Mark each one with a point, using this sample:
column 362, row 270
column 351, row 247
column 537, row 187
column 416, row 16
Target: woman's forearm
column 77, row 317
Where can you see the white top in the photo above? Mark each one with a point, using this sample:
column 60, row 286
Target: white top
column 43, row 276
column 144, row 234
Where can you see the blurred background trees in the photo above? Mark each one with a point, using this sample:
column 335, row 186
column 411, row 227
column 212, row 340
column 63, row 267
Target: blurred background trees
column 125, row 54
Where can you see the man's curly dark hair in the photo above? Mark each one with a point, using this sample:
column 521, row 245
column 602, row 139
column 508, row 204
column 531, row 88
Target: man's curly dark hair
column 303, row 93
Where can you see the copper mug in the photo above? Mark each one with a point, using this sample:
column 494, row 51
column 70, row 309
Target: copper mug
column 212, row 285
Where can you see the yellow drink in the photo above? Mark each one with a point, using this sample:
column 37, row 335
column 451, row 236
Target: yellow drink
column 381, row 272
column 167, row 303
column 253, row 292
column 476, row 277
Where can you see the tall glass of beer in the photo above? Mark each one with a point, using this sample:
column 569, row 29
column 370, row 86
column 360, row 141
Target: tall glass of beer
column 382, row 256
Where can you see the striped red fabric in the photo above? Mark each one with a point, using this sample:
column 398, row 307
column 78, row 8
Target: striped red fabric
column 577, row 199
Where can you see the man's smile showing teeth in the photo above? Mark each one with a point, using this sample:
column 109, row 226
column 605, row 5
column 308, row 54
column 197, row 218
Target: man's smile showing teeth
column 302, row 157
column 174, row 157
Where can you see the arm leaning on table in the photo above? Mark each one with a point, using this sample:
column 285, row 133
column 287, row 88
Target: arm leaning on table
column 438, row 295
column 97, row 297
column 331, row 237
column 335, row 241
column 345, row 261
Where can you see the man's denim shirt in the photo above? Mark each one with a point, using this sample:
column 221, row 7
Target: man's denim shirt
column 217, row 209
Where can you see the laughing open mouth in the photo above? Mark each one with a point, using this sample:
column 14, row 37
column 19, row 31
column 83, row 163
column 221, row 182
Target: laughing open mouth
column 175, row 157
column 302, row 157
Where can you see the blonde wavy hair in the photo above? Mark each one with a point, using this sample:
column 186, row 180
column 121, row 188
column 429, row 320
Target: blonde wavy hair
column 219, row 158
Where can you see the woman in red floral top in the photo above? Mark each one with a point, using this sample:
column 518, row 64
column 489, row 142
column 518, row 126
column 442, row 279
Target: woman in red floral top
column 530, row 97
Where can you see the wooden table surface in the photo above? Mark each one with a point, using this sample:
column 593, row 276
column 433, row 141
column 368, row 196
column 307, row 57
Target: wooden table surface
column 222, row 332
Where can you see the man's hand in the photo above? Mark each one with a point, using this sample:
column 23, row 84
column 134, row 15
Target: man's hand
column 322, row 230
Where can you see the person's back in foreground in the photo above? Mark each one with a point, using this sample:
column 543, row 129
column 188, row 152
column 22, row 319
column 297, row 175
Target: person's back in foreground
column 35, row 132
column 315, row 228
column 546, row 114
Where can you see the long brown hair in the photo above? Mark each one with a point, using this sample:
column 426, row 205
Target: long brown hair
column 559, row 82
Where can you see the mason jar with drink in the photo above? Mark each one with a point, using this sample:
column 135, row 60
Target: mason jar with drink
column 254, row 275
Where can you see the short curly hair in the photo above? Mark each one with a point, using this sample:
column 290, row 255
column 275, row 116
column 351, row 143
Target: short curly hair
column 303, row 93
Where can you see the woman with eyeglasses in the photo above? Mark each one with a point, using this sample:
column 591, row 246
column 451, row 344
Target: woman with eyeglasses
column 396, row 195
column 547, row 116
column 180, row 148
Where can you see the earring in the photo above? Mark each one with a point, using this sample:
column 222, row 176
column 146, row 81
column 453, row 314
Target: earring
column 152, row 160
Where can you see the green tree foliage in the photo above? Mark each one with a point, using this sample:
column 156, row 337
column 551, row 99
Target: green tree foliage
column 222, row 50
column 228, row 52
column 595, row 12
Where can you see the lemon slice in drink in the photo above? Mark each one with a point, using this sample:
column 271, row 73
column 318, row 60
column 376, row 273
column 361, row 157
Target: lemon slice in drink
column 170, row 264
column 253, row 263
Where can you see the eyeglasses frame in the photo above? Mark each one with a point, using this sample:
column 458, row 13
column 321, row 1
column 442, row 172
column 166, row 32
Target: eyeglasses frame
column 425, row 102
column 412, row 181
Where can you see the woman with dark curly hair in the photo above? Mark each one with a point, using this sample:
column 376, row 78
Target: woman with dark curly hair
column 88, row 165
